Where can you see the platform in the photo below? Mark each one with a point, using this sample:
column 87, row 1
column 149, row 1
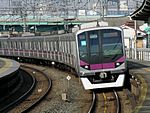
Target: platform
column 7, row 67
column 9, row 75
column 142, row 70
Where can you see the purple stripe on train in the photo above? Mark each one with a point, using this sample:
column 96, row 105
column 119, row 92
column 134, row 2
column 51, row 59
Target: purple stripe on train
column 95, row 66
column 122, row 59
column 82, row 63
column 102, row 66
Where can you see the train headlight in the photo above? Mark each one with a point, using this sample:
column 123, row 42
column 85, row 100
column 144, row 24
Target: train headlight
column 117, row 64
column 86, row 67
column 53, row 63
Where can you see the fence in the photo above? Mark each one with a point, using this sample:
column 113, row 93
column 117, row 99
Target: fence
column 142, row 53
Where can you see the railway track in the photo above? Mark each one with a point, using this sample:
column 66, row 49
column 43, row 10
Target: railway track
column 42, row 87
column 105, row 102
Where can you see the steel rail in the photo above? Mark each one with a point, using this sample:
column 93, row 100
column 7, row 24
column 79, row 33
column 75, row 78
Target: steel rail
column 93, row 102
column 117, row 102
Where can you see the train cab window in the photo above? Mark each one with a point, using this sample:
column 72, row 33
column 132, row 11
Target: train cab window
column 111, row 45
column 82, row 43
column 93, row 47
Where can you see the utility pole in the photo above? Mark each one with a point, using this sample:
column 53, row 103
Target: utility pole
column 135, row 38
column 148, row 34
column 66, row 16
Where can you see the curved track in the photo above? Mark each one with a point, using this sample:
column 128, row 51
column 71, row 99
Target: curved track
column 42, row 87
column 21, row 91
column 105, row 102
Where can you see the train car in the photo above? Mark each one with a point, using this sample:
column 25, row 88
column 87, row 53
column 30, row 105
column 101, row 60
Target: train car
column 102, row 62
column 97, row 54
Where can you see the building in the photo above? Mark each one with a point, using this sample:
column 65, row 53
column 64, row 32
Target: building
column 129, row 36
column 143, row 14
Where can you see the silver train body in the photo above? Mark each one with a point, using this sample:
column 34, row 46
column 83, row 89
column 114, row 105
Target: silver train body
column 97, row 54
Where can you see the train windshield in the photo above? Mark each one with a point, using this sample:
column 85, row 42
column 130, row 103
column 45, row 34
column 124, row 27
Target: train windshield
column 111, row 45
column 100, row 46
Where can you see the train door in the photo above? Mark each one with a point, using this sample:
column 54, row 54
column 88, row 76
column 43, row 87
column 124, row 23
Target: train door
column 94, row 49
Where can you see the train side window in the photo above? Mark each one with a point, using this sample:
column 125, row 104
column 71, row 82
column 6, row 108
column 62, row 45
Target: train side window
column 26, row 45
column 20, row 45
column 38, row 45
column 55, row 49
column 23, row 45
column 51, row 45
column 29, row 45
column 0, row 45
column 63, row 46
column 15, row 43
column 48, row 45
column 8, row 45
column 11, row 44
column 34, row 45
column 44, row 45
column 5, row 44
column 69, row 47
column 59, row 45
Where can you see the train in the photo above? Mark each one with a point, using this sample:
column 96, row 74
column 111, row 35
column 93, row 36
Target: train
column 97, row 54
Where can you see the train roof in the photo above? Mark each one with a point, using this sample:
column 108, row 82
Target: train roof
column 35, row 37
column 89, row 25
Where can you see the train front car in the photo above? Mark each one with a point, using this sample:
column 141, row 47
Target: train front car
column 101, row 57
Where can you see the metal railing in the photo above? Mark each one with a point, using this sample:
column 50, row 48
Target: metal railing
column 142, row 53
